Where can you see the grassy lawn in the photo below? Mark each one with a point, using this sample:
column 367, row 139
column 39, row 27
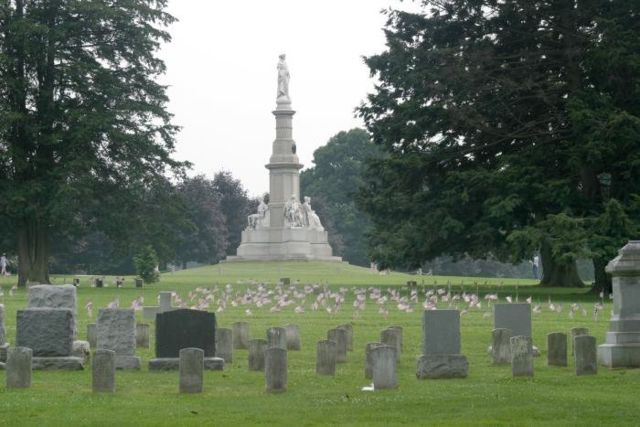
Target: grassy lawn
column 489, row 396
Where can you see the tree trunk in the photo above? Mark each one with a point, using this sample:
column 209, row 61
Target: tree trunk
column 555, row 273
column 603, row 280
column 33, row 252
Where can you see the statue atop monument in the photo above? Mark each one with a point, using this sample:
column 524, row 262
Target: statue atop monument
column 283, row 78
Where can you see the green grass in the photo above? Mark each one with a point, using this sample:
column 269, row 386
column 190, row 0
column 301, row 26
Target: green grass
column 489, row 396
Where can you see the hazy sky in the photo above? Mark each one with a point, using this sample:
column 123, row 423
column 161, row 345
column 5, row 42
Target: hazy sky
column 222, row 76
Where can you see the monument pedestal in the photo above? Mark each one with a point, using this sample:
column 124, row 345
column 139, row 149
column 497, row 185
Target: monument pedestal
column 173, row 364
column 622, row 343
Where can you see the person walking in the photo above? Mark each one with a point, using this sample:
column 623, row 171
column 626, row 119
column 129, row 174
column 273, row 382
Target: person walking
column 4, row 263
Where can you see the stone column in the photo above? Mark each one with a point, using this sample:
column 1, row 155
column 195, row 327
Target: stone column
column 224, row 344
column 275, row 369
column 384, row 367
column 104, row 371
column 326, row 358
column 368, row 359
column 349, row 328
column 557, row 349
column 521, row 356
column 585, row 355
column 142, row 335
column 240, row 335
column 257, row 348
column 18, row 367
column 501, row 346
column 339, row 336
column 293, row 337
column 191, row 370
column 277, row 337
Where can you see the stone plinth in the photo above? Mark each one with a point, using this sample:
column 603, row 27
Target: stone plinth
column 622, row 343
column 46, row 331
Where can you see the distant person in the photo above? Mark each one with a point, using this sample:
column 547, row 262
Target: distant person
column 535, row 265
column 4, row 263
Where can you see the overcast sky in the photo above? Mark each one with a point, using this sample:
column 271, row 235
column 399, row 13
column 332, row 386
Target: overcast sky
column 222, row 76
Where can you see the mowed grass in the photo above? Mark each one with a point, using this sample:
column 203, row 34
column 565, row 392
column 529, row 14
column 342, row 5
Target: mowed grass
column 489, row 396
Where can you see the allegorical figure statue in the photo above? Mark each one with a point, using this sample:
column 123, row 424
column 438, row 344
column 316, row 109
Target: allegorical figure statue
column 293, row 213
column 283, row 78
column 260, row 219
column 312, row 218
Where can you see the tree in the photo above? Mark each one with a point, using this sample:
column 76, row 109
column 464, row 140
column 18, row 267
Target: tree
column 146, row 262
column 333, row 182
column 235, row 205
column 499, row 120
column 80, row 112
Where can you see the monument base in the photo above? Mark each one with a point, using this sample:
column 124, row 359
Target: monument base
column 621, row 350
column 284, row 244
column 57, row 363
column 436, row 366
column 173, row 364
column 128, row 362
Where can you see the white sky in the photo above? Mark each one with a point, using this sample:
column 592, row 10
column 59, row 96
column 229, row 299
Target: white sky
column 222, row 76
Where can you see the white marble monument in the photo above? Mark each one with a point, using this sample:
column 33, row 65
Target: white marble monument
column 285, row 229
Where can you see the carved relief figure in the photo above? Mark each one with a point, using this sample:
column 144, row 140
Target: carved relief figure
column 293, row 213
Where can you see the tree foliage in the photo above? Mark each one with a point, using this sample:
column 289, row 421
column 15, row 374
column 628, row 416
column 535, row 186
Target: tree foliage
column 503, row 123
column 81, row 115
column 235, row 205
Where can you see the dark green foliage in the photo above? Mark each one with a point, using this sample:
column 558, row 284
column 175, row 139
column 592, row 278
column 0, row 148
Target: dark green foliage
column 235, row 206
column 332, row 183
column 500, row 121
column 146, row 263
column 81, row 116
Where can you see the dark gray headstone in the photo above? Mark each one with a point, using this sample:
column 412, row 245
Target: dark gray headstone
column 441, row 332
column 46, row 331
column 516, row 317
column 585, row 355
column 185, row 328
column 557, row 349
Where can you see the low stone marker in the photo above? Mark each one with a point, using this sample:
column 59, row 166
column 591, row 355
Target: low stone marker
column 240, row 335
column 18, row 367
column 104, row 371
column 368, row 359
column 293, row 337
column 139, row 283
column 393, row 338
column 501, row 346
column 92, row 334
column 142, row 335
column 339, row 336
column 54, row 296
column 150, row 312
column 576, row 332
column 585, row 356
column 384, row 367
column 349, row 328
column 521, row 356
column 400, row 332
column 117, row 332
column 191, row 370
column 557, row 349
column 275, row 369
column 285, row 281
column 224, row 344
column 326, row 358
column 257, row 348
column 277, row 337
column 441, row 346
column 516, row 317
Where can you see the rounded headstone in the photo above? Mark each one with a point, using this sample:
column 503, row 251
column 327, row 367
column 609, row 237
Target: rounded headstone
column 326, row 358
column 384, row 367
column 224, row 344
column 191, row 370
column 104, row 371
column 240, row 335
column 257, row 348
column 339, row 336
column 293, row 337
column 521, row 356
column 18, row 367
column 277, row 337
column 275, row 369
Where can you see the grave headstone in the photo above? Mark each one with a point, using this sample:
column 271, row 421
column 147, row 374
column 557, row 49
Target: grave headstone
column 392, row 338
column 139, row 282
column 557, row 349
column 275, row 369
column 257, row 348
column 240, row 335
column 622, row 343
column 150, row 312
column 576, row 332
column 384, row 367
column 191, row 370
column 48, row 332
column 224, row 344
column 285, row 281
column 293, row 337
column 400, row 333
column 4, row 345
column 104, row 371
column 277, row 337
column 185, row 328
column 441, row 356
column 585, row 355
column 18, row 367
column 368, row 359
column 339, row 336
column 117, row 332
column 98, row 282
column 349, row 328
column 521, row 356
column 516, row 317
column 326, row 358
column 142, row 335
column 54, row 296
column 92, row 334
column 501, row 346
